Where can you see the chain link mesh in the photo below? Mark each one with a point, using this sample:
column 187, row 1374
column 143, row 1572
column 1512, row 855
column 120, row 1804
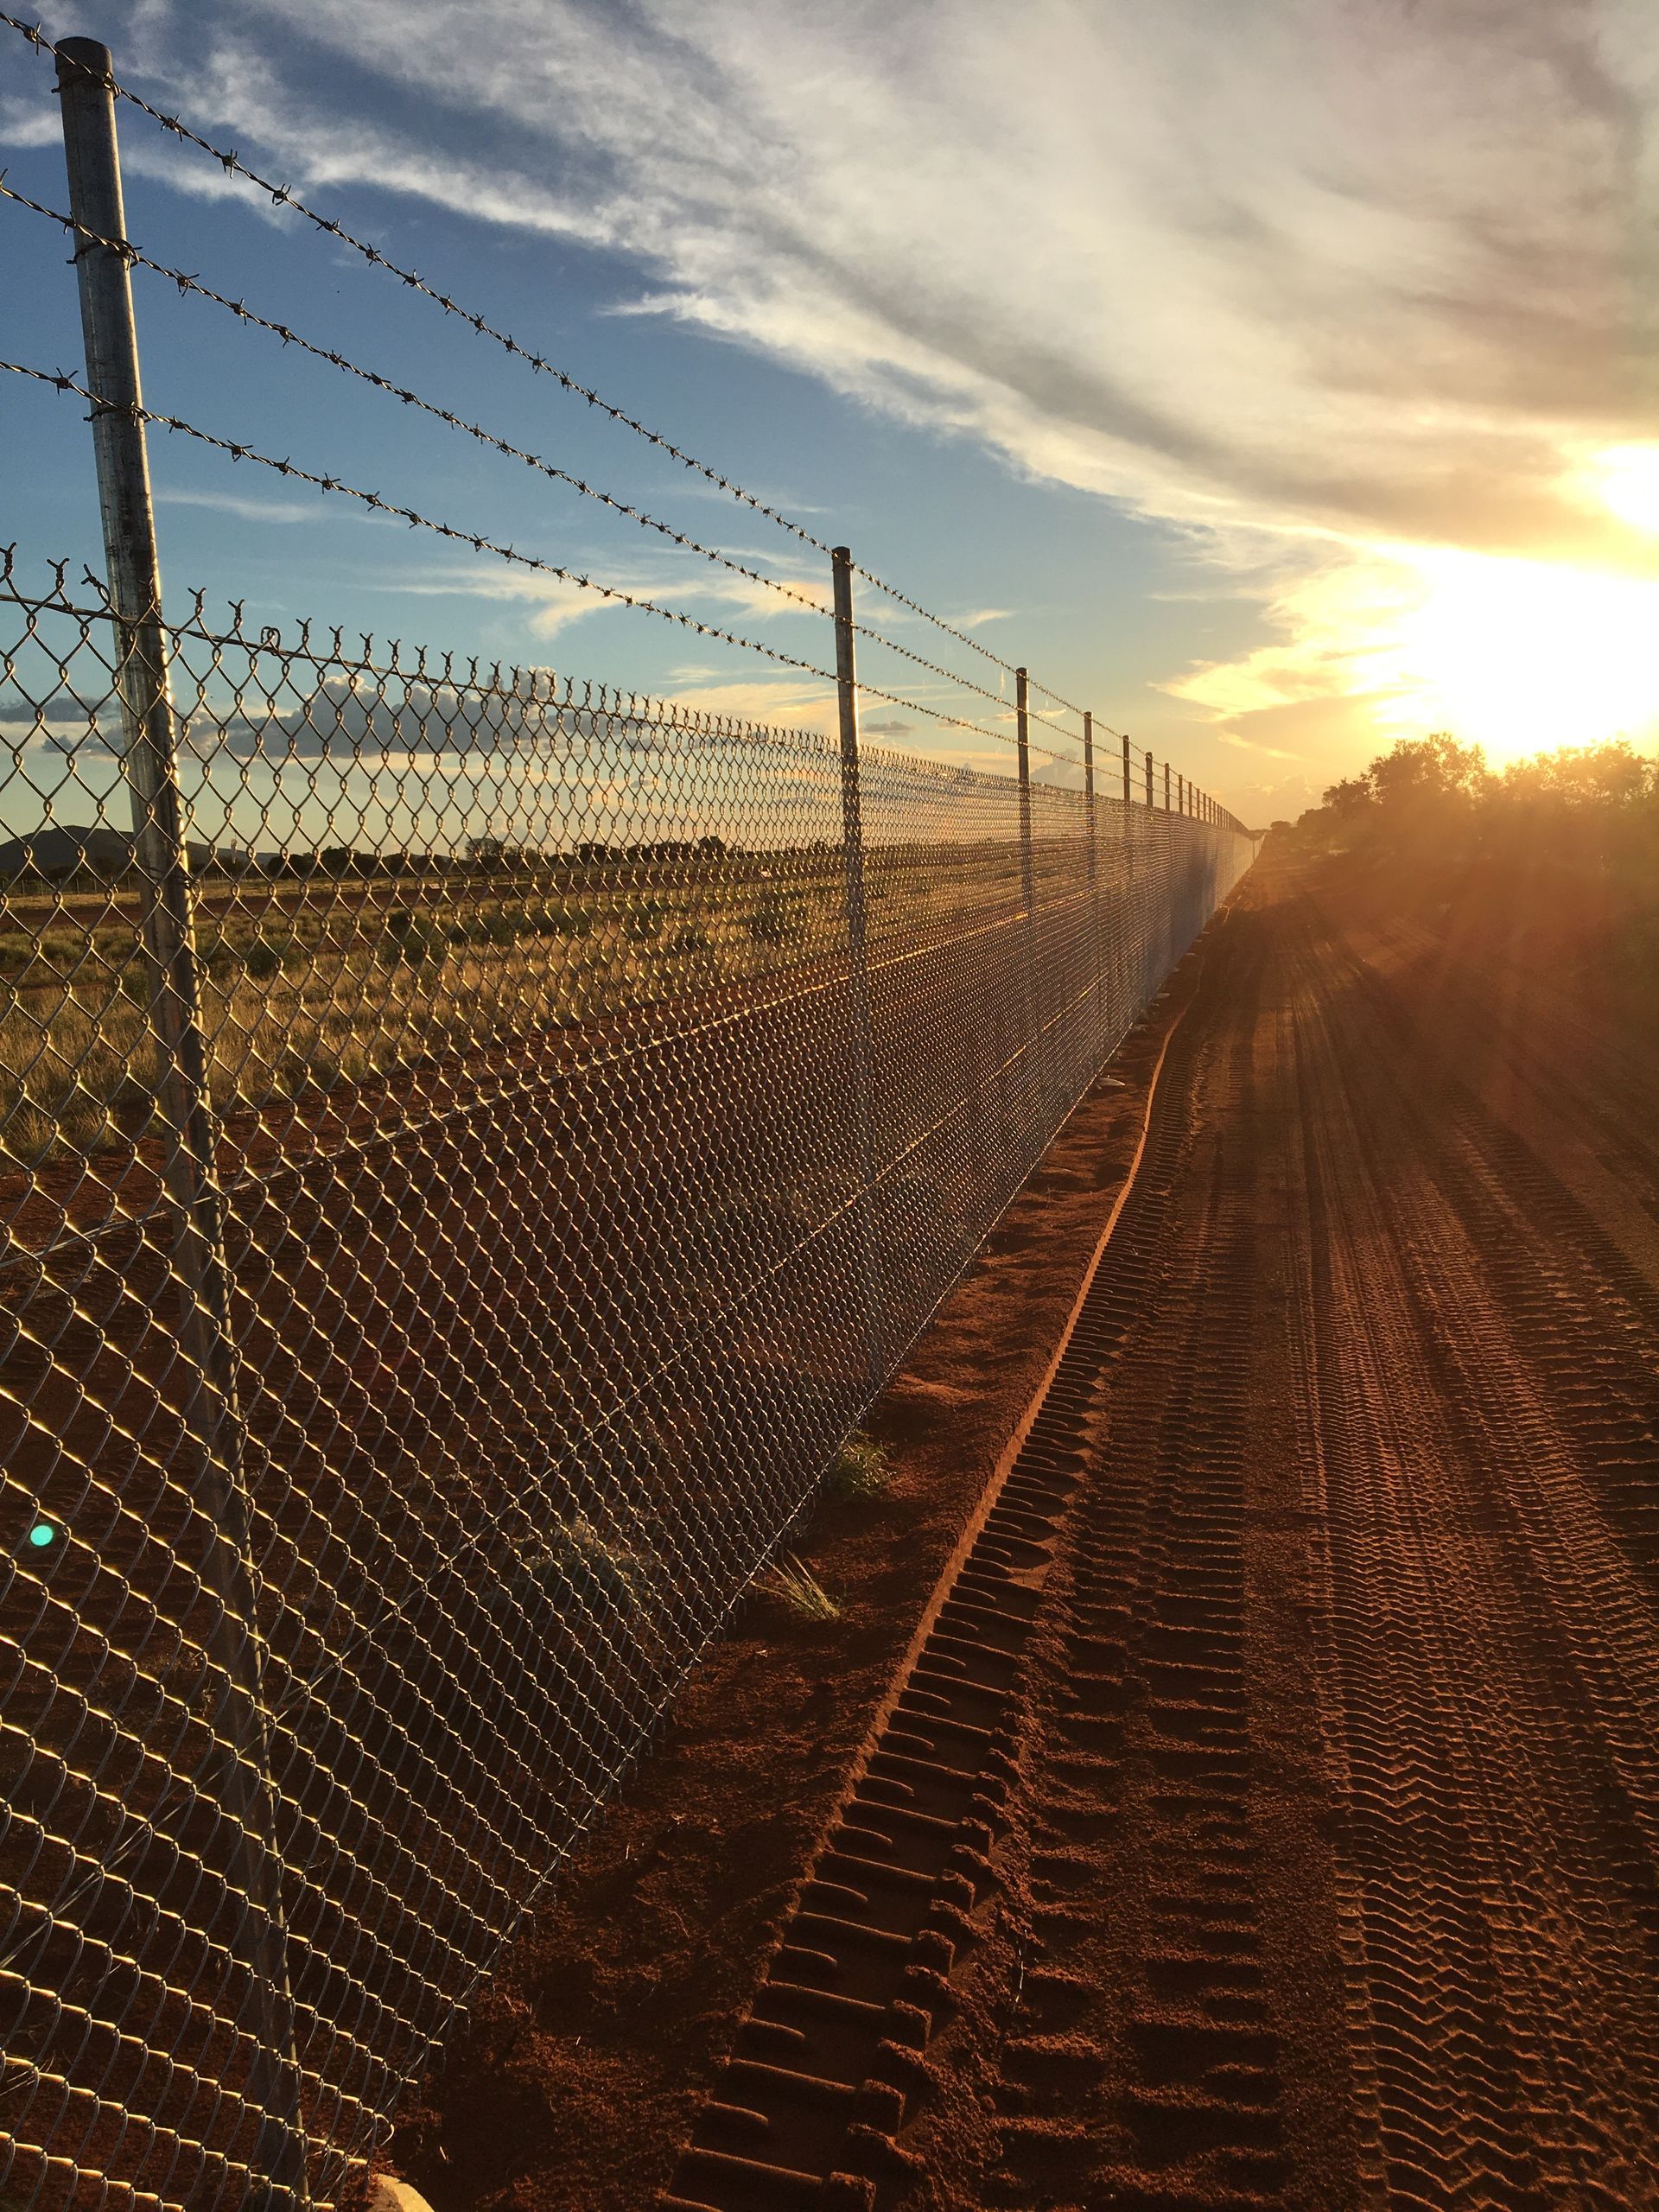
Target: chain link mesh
column 374, row 1473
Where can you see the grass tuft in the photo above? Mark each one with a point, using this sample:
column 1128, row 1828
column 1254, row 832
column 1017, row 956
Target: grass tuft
column 859, row 1470
column 800, row 1591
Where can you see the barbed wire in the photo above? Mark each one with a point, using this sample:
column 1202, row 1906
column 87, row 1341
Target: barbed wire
column 962, row 637
column 62, row 381
column 283, row 196
column 961, row 682
column 193, row 286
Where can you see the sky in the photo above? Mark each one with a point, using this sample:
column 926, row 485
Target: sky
column 1276, row 379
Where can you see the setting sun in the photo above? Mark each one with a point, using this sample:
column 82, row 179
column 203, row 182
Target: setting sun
column 1520, row 655
column 1516, row 656
column 1625, row 481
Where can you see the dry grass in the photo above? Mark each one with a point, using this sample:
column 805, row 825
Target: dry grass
column 859, row 1470
column 799, row 1590
column 307, row 989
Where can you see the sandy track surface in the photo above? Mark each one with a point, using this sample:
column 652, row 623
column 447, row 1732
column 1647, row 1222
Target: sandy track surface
column 1309, row 1859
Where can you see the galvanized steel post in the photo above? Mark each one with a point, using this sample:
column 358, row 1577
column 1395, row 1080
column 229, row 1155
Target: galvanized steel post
column 184, row 1110
column 1089, row 785
column 1022, row 728
column 858, row 959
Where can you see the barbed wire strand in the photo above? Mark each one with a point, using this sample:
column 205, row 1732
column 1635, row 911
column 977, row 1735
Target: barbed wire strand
column 191, row 286
column 239, row 450
column 283, row 196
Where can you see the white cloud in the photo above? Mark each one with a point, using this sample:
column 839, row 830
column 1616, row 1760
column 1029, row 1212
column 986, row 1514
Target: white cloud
column 560, row 600
column 271, row 510
column 1332, row 287
column 555, row 601
column 29, row 123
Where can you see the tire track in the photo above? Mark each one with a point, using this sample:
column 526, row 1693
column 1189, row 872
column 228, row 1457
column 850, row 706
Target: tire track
column 827, row 2066
column 1312, row 1854
column 1149, row 2070
column 1489, row 1659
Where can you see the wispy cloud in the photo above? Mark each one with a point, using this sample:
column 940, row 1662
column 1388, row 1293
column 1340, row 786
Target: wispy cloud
column 558, row 602
column 29, row 123
column 1344, row 292
column 227, row 503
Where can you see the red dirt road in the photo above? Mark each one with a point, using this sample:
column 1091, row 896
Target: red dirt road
column 1321, row 1868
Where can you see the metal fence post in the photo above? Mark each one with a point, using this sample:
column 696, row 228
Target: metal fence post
column 1022, row 728
column 1148, row 780
column 1098, row 952
column 1089, row 786
column 1165, row 787
column 858, row 959
column 213, row 1417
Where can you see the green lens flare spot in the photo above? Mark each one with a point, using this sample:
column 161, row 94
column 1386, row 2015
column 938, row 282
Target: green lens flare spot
column 42, row 1534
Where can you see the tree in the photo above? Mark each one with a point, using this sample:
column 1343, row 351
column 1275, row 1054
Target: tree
column 1431, row 769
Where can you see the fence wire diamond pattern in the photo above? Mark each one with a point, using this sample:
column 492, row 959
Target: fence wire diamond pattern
column 571, row 1185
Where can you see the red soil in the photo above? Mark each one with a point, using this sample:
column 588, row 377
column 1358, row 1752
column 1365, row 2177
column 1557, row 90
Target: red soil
column 586, row 2056
column 1329, row 1876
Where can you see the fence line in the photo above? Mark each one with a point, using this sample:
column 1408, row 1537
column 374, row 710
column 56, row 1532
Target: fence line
column 472, row 1146
column 581, row 1180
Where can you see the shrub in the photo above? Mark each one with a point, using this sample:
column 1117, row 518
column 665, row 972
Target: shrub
column 859, row 1469
column 605, row 1580
column 774, row 920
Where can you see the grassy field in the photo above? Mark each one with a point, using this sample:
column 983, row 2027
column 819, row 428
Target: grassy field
column 312, row 983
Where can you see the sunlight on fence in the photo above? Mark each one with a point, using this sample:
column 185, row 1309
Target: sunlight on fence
column 573, row 1180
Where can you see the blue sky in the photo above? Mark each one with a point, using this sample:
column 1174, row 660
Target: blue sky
column 1274, row 382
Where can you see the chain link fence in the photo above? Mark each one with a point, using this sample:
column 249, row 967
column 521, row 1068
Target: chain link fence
column 435, row 1278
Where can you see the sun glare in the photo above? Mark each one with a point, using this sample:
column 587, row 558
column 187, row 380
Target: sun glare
column 1625, row 479
column 1396, row 640
column 1522, row 655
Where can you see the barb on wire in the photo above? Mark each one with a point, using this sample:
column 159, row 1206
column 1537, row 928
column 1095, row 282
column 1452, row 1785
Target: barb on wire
column 190, row 285
column 239, row 450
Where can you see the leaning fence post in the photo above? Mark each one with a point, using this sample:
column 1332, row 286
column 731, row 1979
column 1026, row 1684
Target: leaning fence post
column 858, row 959
column 149, row 764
